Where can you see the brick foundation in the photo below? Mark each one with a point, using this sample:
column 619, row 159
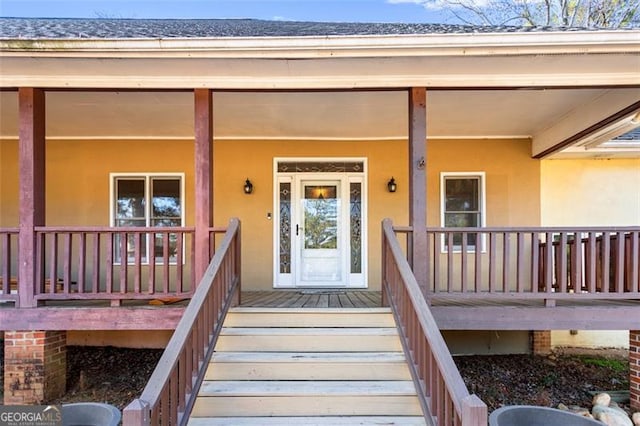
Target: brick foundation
column 541, row 342
column 35, row 366
column 634, row 369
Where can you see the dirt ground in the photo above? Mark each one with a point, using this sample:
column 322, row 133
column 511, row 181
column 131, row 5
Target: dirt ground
column 117, row 376
column 566, row 376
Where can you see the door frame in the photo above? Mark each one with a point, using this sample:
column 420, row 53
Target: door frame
column 294, row 178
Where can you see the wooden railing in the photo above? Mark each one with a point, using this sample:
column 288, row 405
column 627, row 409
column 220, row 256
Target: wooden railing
column 441, row 390
column 8, row 263
column 105, row 263
column 172, row 389
column 113, row 263
column 546, row 263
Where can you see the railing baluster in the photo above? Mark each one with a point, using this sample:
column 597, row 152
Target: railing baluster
column 450, row 251
column 137, row 261
column 576, row 262
column 620, row 255
column 463, row 263
column 179, row 260
column 95, row 275
column 535, row 262
column 561, row 265
column 165, row 263
column 124, row 261
column 151, row 256
column 110, row 262
column 53, row 267
column 66, row 268
column 606, row 258
column 82, row 261
column 548, row 262
column 492, row 262
column 520, row 254
column 436, row 261
column 591, row 263
column 505, row 262
column 477, row 285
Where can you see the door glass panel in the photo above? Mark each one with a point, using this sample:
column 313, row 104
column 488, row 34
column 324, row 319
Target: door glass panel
column 285, row 228
column 355, row 222
column 320, row 217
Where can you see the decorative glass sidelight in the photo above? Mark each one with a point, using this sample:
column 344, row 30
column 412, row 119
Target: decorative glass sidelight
column 285, row 227
column 355, row 216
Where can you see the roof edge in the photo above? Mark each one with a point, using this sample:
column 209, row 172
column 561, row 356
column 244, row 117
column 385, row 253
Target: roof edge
column 467, row 44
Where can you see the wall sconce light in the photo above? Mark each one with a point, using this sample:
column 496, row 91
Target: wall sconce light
column 391, row 185
column 248, row 187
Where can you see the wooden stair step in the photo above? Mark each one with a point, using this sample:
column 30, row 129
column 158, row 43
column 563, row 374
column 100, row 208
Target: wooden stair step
column 277, row 366
column 309, row 421
column 296, row 388
column 308, row 366
column 309, row 340
column 328, row 317
column 314, row 405
column 314, row 331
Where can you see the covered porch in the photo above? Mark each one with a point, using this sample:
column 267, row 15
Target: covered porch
column 186, row 123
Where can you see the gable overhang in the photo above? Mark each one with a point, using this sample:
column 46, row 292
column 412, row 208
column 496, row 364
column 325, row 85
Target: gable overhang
column 434, row 60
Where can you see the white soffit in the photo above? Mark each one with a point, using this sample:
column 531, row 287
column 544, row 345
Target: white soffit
column 349, row 115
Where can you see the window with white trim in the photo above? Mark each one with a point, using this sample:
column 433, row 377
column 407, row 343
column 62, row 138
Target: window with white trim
column 462, row 206
column 147, row 200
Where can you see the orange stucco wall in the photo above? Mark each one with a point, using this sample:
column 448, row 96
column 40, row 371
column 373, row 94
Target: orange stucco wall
column 512, row 178
column 78, row 184
column 8, row 183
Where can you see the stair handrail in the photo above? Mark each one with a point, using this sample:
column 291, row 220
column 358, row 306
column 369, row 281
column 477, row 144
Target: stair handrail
column 172, row 389
column 441, row 390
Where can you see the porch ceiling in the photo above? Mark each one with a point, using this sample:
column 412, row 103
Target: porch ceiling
column 341, row 115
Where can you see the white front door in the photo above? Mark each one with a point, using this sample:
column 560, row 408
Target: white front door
column 320, row 235
column 320, row 223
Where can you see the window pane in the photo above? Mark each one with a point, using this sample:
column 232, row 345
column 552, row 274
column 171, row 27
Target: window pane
column 165, row 222
column 130, row 222
column 461, row 220
column 461, row 194
column 166, row 198
column 129, row 198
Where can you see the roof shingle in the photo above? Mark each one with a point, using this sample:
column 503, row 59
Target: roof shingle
column 67, row 28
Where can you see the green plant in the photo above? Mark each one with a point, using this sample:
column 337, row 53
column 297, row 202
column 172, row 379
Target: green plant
column 610, row 363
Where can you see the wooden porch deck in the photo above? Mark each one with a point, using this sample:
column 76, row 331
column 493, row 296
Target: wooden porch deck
column 312, row 299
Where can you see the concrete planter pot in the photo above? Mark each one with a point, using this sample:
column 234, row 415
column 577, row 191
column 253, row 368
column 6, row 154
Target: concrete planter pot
column 528, row 415
column 90, row 414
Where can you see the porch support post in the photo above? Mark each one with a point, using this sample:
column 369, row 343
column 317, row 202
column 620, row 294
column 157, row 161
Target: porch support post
column 418, row 182
column 31, row 159
column 203, row 178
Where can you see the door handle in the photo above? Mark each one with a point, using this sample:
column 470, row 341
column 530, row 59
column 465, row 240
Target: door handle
column 297, row 229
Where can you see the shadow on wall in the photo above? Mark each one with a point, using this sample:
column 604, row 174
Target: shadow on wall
column 487, row 342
